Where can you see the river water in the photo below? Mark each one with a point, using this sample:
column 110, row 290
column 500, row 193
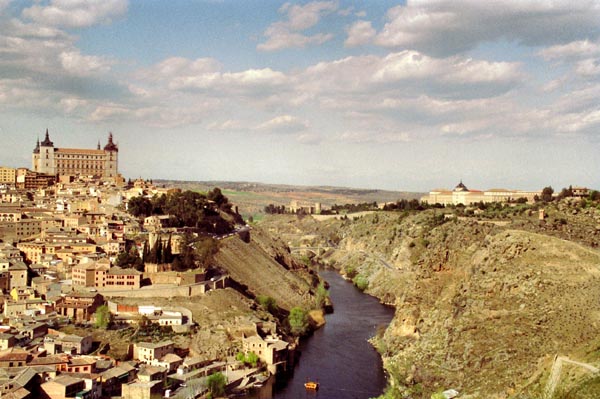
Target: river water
column 338, row 355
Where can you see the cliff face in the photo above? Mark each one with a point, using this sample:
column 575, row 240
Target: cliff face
column 264, row 266
column 480, row 307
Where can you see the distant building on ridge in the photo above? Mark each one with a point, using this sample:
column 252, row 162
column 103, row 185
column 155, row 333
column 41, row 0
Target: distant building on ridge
column 102, row 162
column 462, row 195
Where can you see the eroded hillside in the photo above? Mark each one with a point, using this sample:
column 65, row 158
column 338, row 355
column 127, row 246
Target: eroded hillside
column 264, row 266
column 482, row 307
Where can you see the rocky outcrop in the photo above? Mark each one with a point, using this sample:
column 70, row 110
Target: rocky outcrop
column 481, row 307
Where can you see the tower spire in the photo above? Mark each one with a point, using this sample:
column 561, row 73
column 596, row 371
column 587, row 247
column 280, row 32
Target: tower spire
column 111, row 146
column 47, row 142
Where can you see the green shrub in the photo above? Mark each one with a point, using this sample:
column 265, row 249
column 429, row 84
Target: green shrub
column 361, row 282
column 216, row 384
column 298, row 321
column 351, row 272
column 267, row 303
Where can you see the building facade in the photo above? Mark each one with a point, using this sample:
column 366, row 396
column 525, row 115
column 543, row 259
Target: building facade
column 8, row 175
column 464, row 196
column 50, row 160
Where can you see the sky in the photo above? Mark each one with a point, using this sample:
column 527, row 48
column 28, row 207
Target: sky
column 394, row 95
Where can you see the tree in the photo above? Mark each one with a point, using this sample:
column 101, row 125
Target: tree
column 139, row 206
column 321, row 295
column 267, row 303
column 168, row 252
column 252, row 359
column 547, row 194
column 298, row 320
column 103, row 317
column 216, row 384
column 129, row 259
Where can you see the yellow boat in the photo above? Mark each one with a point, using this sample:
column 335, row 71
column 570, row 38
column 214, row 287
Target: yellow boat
column 311, row 385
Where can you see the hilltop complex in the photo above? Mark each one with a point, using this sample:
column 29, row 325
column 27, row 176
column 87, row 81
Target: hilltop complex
column 462, row 195
column 50, row 160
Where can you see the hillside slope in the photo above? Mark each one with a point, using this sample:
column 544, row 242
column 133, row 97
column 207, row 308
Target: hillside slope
column 264, row 266
column 482, row 308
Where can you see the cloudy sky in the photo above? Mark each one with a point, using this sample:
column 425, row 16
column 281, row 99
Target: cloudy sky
column 377, row 94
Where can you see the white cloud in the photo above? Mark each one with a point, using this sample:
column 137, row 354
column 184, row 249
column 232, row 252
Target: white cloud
column 364, row 137
column 241, row 82
column 287, row 33
column 589, row 67
column 72, row 104
column 77, row 64
column 359, row 33
column 179, row 67
column 445, row 27
column 411, row 73
column 346, row 11
column 284, row 124
column 76, row 13
column 228, row 125
column 577, row 49
column 309, row 138
column 301, row 17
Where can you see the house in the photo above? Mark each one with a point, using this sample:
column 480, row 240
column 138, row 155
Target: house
column 18, row 274
column 142, row 390
column 14, row 391
column 22, row 293
column 271, row 350
column 170, row 361
column 123, row 279
column 63, row 387
column 80, row 364
column 58, row 362
column 191, row 363
column 90, row 274
column 65, row 343
column 14, row 357
column 92, row 384
column 157, row 222
column 148, row 351
column 27, row 307
column 115, row 377
column 152, row 373
column 35, row 330
column 7, row 341
column 79, row 306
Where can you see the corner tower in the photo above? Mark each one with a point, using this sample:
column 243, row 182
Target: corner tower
column 111, row 167
column 43, row 156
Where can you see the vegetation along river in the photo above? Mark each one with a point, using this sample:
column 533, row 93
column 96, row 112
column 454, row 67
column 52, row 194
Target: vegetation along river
column 339, row 355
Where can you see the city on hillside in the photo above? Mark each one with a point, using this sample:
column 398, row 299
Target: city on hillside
column 85, row 252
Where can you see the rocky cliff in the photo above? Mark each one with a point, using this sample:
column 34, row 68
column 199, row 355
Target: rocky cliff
column 482, row 305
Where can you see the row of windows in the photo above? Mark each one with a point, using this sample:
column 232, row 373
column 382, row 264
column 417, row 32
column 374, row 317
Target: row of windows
column 120, row 282
column 77, row 156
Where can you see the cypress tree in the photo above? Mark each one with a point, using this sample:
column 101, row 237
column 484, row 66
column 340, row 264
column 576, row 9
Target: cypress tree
column 159, row 251
column 168, row 252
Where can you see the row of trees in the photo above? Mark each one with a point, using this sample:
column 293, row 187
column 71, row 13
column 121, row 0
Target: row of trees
column 275, row 209
column 350, row 208
column 193, row 253
column 187, row 208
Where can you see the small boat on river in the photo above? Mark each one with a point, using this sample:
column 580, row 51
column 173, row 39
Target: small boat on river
column 311, row 385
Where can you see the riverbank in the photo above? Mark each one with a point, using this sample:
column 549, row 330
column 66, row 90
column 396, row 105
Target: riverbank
column 338, row 354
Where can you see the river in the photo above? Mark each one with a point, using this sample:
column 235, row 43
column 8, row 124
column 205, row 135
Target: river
column 339, row 355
